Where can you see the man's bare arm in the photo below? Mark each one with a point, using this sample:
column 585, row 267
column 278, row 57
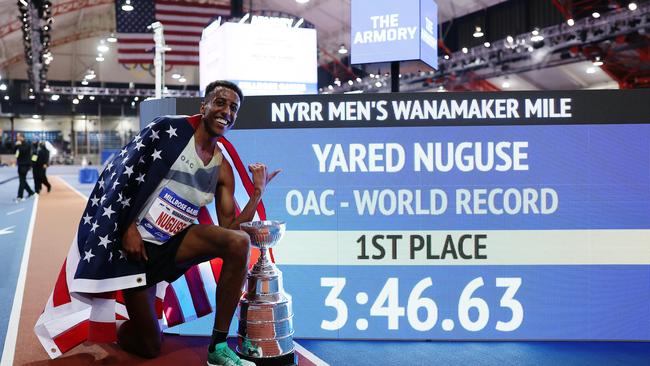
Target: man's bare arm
column 225, row 195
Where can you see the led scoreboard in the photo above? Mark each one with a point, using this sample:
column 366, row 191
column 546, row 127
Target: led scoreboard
column 512, row 215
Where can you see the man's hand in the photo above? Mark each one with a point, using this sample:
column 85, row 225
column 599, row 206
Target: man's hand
column 260, row 176
column 133, row 245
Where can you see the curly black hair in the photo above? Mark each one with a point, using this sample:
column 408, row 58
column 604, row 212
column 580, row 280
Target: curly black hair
column 223, row 83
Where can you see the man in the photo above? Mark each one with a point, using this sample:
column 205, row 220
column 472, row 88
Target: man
column 143, row 209
column 40, row 161
column 24, row 162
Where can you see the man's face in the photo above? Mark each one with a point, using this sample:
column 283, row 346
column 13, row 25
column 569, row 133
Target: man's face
column 220, row 113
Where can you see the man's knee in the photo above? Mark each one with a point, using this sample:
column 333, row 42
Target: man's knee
column 239, row 246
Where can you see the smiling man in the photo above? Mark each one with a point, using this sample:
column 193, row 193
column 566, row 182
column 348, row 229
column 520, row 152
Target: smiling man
column 139, row 227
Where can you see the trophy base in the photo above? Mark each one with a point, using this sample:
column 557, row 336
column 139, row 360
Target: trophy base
column 289, row 359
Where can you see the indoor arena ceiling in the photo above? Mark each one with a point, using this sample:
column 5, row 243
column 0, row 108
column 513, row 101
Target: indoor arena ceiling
column 84, row 22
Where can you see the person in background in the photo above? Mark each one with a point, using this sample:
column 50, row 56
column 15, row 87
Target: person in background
column 24, row 162
column 40, row 162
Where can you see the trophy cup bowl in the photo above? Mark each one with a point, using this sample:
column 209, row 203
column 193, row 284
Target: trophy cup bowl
column 264, row 234
column 265, row 334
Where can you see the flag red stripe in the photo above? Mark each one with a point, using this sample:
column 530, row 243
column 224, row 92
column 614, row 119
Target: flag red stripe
column 204, row 217
column 61, row 294
column 187, row 13
column 102, row 332
column 182, row 33
column 150, row 42
column 197, row 291
column 158, row 307
column 172, row 308
column 130, row 51
column 248, row 185
column 243, row 175
column 150, row 61
column 72, row 337
column 183, row 23
column 180, row 53
column 119, row 297
column 216, row 264
column 194, row 5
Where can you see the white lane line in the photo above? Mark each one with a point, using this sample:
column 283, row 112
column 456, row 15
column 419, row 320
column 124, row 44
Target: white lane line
column 310, row 356
column 73, row 188
column 15, row 211
column 12, row 328
column 7, row 230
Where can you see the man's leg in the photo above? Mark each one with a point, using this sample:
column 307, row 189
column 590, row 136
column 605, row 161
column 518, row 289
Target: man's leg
column 209, row 241
column 36, row 172
column 140, row 334
column 44, row 179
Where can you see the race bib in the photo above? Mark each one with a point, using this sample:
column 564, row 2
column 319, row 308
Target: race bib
column 168, row 215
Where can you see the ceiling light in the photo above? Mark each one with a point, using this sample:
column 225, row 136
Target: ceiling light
column 378, row 84
column 99, row 58
column 358, row 80
column 595, row 14
column 465, row 50
column 590, row 70
column 3, row 86
column 510, row 40
column 505, row 84
column 302, row 1
column 478, row 33
column 446, row 57
column 75, row 101
column 176, row 76
column 31, row 96
column 598, row 61
column 111, row 38
column 342, row 49
column 570, row 22
column 36, row 116
column 102, row 47
column 90, row 76
column 127, row 5
column 46, row 89
column 92, row 97
column 182, row 79
column 632, row 6
column 350, row 82
column 6, row 97
column 486, row 44
column 55, row 97
column 84, row 82
column 441, row 88
column 80, row 97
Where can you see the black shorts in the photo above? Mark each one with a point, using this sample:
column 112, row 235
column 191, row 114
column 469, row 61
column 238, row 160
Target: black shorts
column 162, row 265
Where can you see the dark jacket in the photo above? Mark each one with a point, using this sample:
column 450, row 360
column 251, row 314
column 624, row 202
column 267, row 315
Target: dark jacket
column 42, row 157
column 24, row 156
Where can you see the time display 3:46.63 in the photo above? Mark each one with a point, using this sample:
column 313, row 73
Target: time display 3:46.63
column 421, row 312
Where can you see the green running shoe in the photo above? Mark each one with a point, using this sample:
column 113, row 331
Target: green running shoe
column 224, row 356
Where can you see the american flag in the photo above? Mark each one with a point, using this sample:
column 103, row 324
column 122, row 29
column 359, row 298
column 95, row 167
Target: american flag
column 86, row 303
column 183, row 22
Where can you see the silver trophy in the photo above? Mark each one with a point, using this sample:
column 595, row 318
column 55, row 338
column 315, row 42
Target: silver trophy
column 265, row 315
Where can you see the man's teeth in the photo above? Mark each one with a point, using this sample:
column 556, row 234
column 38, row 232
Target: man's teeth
column 222, row 121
